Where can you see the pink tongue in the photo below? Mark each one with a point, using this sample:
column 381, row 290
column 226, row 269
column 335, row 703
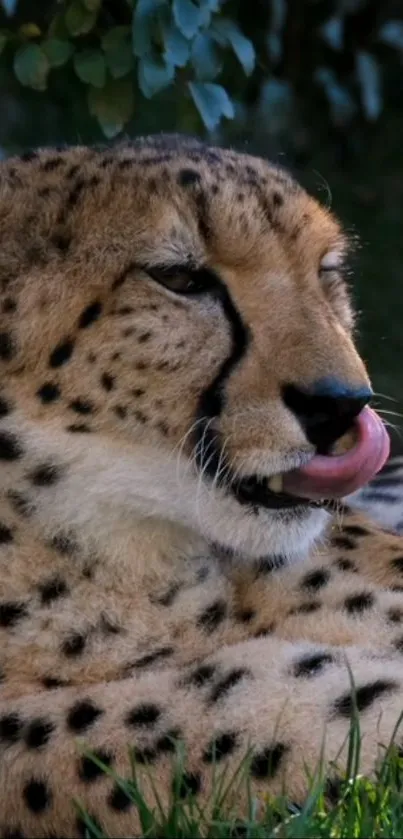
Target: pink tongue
column 334, row 477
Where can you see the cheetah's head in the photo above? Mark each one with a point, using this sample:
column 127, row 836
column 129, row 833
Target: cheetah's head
column 177, row 334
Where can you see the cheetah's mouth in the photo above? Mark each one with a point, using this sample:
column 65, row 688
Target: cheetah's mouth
column 324, row 477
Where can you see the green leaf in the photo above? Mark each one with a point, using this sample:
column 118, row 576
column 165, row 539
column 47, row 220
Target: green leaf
column 243, row 48
column 90, row 67
column 79, row 20
column 154, row 75
column 212, row 102
column 118, row 54
column 205, row 57
column 3, row 41
column 144, row 22
column 57, row 51
column 112, row 106
column 31, row 66
column 177, row 47
column 187, row 17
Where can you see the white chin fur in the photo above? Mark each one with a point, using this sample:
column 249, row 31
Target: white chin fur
column 108, row 487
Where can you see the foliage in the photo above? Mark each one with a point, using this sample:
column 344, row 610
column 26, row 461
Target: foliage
column 220, row 58
column 340, row 806
column 161, row 43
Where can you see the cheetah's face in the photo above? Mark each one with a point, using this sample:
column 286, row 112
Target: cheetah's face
column 219, row 356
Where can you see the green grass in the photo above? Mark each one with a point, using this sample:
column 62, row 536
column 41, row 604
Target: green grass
column 345, row 807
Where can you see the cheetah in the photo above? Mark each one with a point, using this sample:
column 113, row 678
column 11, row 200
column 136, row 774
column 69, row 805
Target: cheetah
column 182, row 408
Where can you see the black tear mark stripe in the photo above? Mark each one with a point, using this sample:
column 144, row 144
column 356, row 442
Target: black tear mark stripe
column 211, row 401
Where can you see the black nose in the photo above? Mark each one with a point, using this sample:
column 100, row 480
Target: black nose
column 326, row 410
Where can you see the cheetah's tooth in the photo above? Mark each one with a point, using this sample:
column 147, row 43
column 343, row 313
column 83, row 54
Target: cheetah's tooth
column 275, row 483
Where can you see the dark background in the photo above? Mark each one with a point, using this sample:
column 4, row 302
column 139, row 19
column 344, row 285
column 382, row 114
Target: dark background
column 324, row 96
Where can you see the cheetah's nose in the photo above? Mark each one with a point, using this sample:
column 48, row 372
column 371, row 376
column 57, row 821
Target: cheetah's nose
column 326, row 410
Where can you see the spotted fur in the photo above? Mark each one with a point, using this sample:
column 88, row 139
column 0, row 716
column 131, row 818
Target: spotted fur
column 140, row 601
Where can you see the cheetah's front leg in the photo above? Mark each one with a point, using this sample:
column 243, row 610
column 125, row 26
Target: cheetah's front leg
column 279, row 698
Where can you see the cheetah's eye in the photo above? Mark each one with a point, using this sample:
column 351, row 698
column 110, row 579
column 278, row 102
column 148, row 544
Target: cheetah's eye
column 182, row 279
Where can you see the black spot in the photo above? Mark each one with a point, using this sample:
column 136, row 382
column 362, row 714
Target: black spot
column 9, row 306
column 11, row 613
column 140, row 417
column 79, row 428
column 211, row 617
column 138, row 391
column 46, row 474
column 333, row 790
column 268, row 564
column 344, row 564
column 10, row 446
column 265, row 764
column 263, row 631
column 120, row 411
column 201, row 675
column 245, row 615
column 189, row 784
column 90, row 314
column 75, row 192
column 7, row 348
column 168, row 597
column 37, row 796
column 315, row 580
column 125, row 310
column 74, row 645
column 357, row 603
column 145, row 755
column 52, row 589
column 82, row 715
column 394, row 615
column 119, row 799
column 146, row 714
column 397, row 564
column 6, row 534
column 61, row 354
column 10, row 728
column 221, row 746
column 166, row 743
column 109, row 626
column 311, row 664
column 151, row 658
column 229, row 681
column 88, row 770
column 20, row 503
column 305, row 608
column 61, row 240
column 107, row 381
column 344, row 542
column 51, row 683
column 278, row 199
column 364, row 697
column 188, row 177
column 144, row 337
column 398, row 644
column 355, row 530
column 81, row 406
column 38, row 733
column 12, row 833
column 51, row 164
column 49, row 392
column 4, row 407
column 64, row 543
